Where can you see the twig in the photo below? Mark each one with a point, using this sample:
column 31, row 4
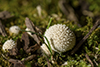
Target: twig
column 4, row 57
column 29, row 58
column 2, row 29
column 89, row 60
column 85, row 37
column 95, row 62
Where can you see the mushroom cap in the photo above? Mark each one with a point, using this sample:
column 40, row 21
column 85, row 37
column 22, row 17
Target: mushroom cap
column 61, row 38
column 9, row 44
column 14, row 29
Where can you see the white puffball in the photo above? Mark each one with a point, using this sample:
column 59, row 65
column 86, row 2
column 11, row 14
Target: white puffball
column 14, row 29
column 9, row 44
column 61, row 38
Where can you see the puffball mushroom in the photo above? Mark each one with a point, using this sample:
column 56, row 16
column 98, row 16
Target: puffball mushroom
column 61, row 38
column 9, row 44
column 14, row 29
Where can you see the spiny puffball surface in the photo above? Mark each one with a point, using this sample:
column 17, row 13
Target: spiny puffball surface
column 9, row 44
column 61, row 38
column 14, row 29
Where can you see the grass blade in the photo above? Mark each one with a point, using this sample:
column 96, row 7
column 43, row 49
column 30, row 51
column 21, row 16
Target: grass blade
column 49, row 23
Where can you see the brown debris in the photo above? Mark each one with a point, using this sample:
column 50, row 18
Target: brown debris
column 13, row 51
column 25, row 40
column 29, row 58
column 33, row 48
column 85, row 37
column 48, row 62
column 5, row 15
column 2, row 29
column 19, row 44
column 38, row 30
column 87, row 57
column 17, row 63
column 28, row 47
column 32, row 27
column 29, row 44
column 68, row 11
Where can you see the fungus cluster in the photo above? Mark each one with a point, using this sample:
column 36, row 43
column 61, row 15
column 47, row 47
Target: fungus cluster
column 61, row 38
column 9, row 44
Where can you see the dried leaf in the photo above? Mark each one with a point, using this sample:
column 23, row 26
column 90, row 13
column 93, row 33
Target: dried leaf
column 2, row 29
column 33, row 48
column 14, row 61
column 25, row 40
column 29, row 58
column 17, row 63
column 13, row 51
column 5, row 15
column 38, row 30
column 31, row 26
column 19, row 44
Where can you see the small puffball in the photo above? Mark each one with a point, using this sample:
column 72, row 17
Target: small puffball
column 61, row 38
column 9, row 44
column 65, row 63
column 27, row 29
column 45, row 49
column 14, row 29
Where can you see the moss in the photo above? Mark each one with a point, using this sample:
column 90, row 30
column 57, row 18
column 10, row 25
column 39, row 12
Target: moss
column 24, row 8
column 94, row 6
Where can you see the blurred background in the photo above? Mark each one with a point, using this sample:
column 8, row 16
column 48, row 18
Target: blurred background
column 75, row 10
